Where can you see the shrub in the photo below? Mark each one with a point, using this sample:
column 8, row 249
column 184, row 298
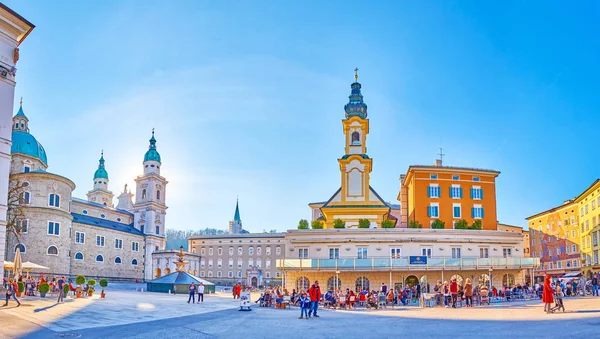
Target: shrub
column 80, row 280
column 438, row 224
column 44, row 287
column 339, row 223
column 66, row 289
column 364, row 223
column 21, row 286
column 461, row 225
column 477, row 225
column 92, row 282
column 103, row 282
column 387, row 224
column 414, row 224
column 316, row 225
column 303, row 224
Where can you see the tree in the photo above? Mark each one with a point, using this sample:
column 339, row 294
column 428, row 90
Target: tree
column 477, row 225
column 462, row 224
column 387, row 224
column 339, row 223
column 414, row 224
column 302, row 224
column 364, row 223
column 15, row 213
column 438, row 224
column 316, row 225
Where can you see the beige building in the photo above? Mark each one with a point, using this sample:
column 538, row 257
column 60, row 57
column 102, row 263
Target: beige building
column 517, row 229
column 249, row 259
column 365, row 258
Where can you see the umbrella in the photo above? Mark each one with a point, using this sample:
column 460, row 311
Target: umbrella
column 8, row 264
column 28, row 266
column 18, row 264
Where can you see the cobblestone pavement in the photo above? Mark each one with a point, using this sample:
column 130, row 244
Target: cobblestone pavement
column 130, row 314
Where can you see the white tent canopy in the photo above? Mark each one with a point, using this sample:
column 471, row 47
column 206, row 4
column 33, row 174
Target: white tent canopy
column 28, row 266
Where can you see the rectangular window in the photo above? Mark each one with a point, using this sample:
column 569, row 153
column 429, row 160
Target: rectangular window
column 593, row 204
column 135, row 246
column 587, row 225
column 507, row 252
column 433, row 176
column 258, row 250
column 594, row 221
column 219, row 274
column 202, row 262
column 210, row 274
column 220, row 251
column 157, row 230
column 433, row 191
column 476, row 193
column 484, row 252
column 303, row 253
column 26, row 169
column 456, row 252
column 362, row 253
column 258, row 263
column 267, row 263
column 396, row 252
column 250, row 262
column 433, row 210
column 595, row 239
column 456, row 192
column 250, row 250
column 53, row 228
column 210, row 251
column 456, row 177
column 456, row 212
column 230, row 263
column 230, row 250
column 558, row 251
column 268, row 251
column 334, row 253
column 574, row 248
column 23, row 225
column 100, row 240
column 202, row 274
column 210, row 263
column 119, row 243
column 79, row 238
column 586, row 209
column 532, row 242
column 278, row 251
column 581, row 212
column 268, row 275
column 54, row 200
column 426, row 251
column 595, row 257
column 220, row 263
column 477, row 212
column 475, row 178
column 202, row 251
column 559, row 264
column 240, row 250
column 568, row 249
column 230, row 274
column 240, row 263
column 575, row 263
column 533, row 254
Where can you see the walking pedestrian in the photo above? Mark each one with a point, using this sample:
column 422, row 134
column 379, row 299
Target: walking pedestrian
column 595, row 285
column 11, row 291
column 469, row 292
column 61, row 292
column 454, row 292
column 192, row 296
column 315, row 295
column 547, row 293
column 200, row 293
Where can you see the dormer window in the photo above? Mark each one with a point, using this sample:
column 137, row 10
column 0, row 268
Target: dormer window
column 355, row 138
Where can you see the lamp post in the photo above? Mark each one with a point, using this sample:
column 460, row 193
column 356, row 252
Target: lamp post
column 337, row 281
column 491, row 279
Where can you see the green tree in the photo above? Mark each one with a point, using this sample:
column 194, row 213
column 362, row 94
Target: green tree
column 414, row 224
column 364, row 223
column 462, row 224
column 80, row 280
column 15, row 214
column 438, row 224
column 477, row 225
column 302, row 224
column 339, row 223
column 316, row 224
column 387, row 224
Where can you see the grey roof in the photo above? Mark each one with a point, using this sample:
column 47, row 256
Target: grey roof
column 394, row 206
column 180, row 278
column 113, row 225
column 95, row 204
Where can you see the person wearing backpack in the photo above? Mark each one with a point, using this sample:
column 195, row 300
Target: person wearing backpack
column 11, row 291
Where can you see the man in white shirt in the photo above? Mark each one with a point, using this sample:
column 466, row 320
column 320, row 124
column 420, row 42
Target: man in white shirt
column 201, row 292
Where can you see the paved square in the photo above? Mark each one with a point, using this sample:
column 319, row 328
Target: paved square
column 130, row 314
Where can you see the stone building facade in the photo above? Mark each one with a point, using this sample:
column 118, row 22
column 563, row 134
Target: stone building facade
column 90, row 236
column 249, row 259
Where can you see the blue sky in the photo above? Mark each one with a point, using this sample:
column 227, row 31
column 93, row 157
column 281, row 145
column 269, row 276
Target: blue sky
column 247, row 97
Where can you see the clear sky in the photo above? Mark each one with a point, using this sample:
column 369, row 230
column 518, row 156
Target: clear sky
column 247, row 97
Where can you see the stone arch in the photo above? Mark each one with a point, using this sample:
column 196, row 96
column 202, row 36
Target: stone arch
column 458, row 277
column 484, row 279
column 331, row 284
column 411, row 281
column 362, row 283
column 302, row 284
column 508, row 280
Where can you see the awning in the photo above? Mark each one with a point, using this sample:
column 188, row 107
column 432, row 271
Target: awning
column 572, row 275
column 28, row 266
column 8, row 264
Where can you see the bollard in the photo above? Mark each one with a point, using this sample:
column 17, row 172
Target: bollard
column 169, row 292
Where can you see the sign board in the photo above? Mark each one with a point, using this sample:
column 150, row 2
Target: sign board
column 245, row 301
column 417, row 260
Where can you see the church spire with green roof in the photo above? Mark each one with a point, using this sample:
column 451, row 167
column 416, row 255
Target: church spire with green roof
column 152, row 153
column 101, row 171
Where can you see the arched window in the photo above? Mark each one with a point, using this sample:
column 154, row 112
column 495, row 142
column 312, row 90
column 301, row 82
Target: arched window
column 144, row 194
column 167, row 271
column 20, row 247
column 196, row 273
column 508, row 280
column 99, row 258
column 117, row 260
column 134, row 262
column 362, row 283
column 331, row 284
column 355, row 138
column 458, row 278
column 302, row 284
column 157, row 273
column 78, row 256
column 158, row 195
column 52, row 250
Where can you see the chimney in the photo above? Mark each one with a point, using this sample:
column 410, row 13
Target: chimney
column 438, row 163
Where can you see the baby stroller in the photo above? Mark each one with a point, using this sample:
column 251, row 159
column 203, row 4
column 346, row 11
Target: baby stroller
column 485, row 297
column 558, row 303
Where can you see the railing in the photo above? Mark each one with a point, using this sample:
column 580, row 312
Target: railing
column 373, row 264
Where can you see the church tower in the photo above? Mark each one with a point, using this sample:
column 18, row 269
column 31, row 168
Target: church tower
column 100, row 194
column 355, row 199
column 235, row 225
column 149, row 208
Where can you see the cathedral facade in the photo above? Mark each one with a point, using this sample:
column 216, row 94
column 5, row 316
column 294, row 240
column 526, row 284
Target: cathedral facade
column 92, row 237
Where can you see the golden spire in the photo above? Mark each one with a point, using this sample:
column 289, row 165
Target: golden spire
column 356, row 74
column 21, row 101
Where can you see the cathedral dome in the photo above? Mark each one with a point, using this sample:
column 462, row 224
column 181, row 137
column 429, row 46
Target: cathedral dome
column 152, row 154
column 25, row 143
column 101, row 171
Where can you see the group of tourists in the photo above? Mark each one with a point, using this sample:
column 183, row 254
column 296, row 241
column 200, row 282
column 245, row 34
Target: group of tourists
column 196, row 289
column 31, row 287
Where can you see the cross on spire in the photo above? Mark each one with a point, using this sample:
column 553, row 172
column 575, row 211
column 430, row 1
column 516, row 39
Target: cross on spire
column 356, row 74
column 21, row 101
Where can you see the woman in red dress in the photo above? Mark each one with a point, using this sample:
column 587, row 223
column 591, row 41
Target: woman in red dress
column 547, row 295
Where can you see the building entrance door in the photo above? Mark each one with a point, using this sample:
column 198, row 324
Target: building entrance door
column 254, row 282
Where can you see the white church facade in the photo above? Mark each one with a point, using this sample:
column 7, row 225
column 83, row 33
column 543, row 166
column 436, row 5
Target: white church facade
column 73, row 236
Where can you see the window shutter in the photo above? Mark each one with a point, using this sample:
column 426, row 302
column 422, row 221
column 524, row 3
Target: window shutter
column 482, row 215
column 460, row 190
column 481, row 192
column 471, row 192
column 439, row 191
column 472, row 212
column 429, row 191
column 429, row 211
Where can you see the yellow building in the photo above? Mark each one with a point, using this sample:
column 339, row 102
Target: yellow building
column 555, row 239
column 355, row 199
column 588, row 207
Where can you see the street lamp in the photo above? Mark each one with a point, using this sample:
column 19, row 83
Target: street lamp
column 491, row 279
